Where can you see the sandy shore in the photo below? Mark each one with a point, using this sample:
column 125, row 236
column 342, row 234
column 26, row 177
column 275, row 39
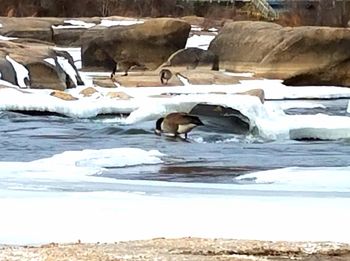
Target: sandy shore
column 180, row 249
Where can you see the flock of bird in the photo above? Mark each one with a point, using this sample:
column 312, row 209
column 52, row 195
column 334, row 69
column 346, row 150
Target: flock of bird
column 126, row 65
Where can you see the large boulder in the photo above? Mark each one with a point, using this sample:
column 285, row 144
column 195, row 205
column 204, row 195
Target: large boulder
column 37, row 66
column 60, row 31
column 7, row 72
column 300, row 55
column 29, row 27
column 150, row 43
column 192, row 58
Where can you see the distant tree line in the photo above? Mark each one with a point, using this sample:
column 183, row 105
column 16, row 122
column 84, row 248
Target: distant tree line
column 321, row 13
column 88, row 8
column 297, row 12
column 80, row 8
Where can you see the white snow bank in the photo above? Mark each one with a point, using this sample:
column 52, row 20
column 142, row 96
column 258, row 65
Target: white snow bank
column 21, row 72
column 200, row 41
column 12, row 99
column 275, row 90
column 319, row 126
column 248, row 105
column 74, row 24
column 35, row 196
column 109, row 23
column 41, row 217
column 331, row 179
column 269, row 118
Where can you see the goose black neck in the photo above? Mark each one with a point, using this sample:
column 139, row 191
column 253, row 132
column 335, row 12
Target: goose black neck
column 159, row 124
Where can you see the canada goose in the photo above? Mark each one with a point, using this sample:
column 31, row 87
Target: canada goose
column 177, row 123
column 165, row 76
column 125, row 66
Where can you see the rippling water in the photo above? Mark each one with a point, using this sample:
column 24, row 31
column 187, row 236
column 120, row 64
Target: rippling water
column 209, row 157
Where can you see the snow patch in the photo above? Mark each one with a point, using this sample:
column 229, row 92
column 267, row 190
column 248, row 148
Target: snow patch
column 5, row 38
column 109, row 23
column 75, row 53
column 200, row 41
column 50, row 61
column 74, row 24
column 21, row 72
column 68, row 68
column 300, row 179
column 239, row 74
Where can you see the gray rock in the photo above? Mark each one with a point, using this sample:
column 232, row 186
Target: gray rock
column 150, row 43
column 7, row 72
column 192, row 58
column 42, row 74
column 300, row 56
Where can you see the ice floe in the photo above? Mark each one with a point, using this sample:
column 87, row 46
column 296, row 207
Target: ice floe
column 268, row 118
column 75, row 165
column 131, row 210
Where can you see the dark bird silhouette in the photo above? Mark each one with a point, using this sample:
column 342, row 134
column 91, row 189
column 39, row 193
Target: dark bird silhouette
column 165, row 76
column 177, row 123
column 124, row 66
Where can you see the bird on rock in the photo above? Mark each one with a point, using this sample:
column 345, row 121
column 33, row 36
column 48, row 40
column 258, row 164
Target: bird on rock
column 177, row 123
column 165, row 75
column 124, row 66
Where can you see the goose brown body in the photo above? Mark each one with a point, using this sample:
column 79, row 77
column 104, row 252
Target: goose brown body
column 177, row 123
column 165, row 76
column 124, row 66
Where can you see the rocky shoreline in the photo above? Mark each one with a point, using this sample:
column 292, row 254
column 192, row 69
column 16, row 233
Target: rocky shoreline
column 181, row 249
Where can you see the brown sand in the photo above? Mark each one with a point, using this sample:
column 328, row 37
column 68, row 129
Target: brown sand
column 196, row 249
